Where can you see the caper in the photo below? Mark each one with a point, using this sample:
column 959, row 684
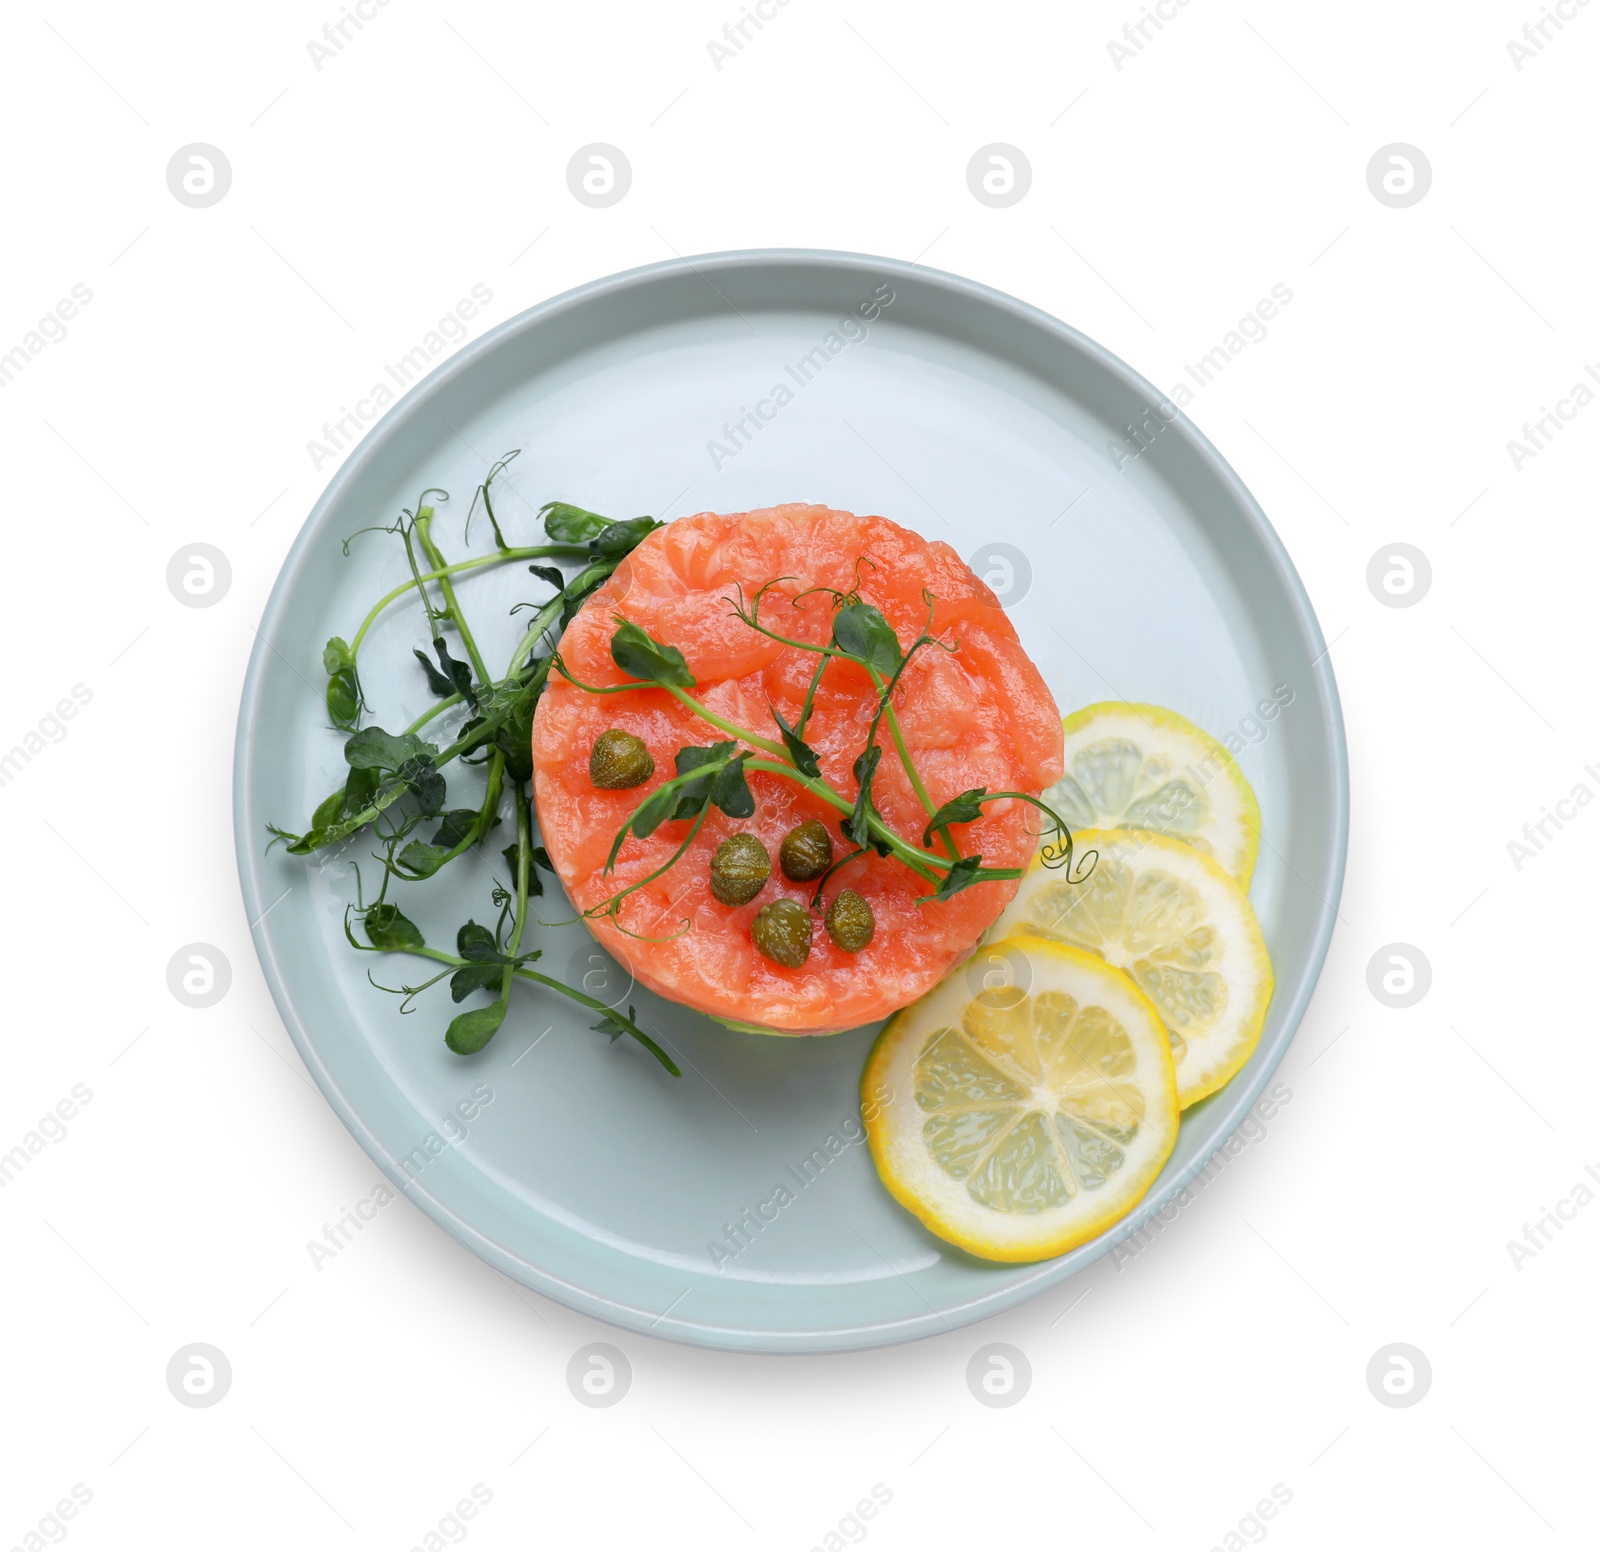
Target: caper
column 782, row 931
column 806, row 852
column 620, row 760
column 740, row 867
column 849, row 921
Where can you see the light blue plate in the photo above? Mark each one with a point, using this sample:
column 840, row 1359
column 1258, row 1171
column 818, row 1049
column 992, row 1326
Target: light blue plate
column 580, row 1167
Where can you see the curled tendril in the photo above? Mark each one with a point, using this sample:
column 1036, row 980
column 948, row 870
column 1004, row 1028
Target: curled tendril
column 927, row 638
column 840, row 599
column 482, row 494
column 361, row 907
column 408, row 993
column 1058, row 854
column 406, row 520
column 399, row 526
column 612, row 909
column 750, row 612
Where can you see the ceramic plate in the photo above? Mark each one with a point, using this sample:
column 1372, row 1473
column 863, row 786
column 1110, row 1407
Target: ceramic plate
column 1135, row 566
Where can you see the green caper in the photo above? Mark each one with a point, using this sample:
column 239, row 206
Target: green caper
column 740, row 867
column 849, row 921
column 620, row 760
column 782, row 931
column 806, row 852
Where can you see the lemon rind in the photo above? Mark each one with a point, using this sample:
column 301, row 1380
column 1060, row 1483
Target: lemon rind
column 1212, row 1077
column 1242, row 864
column 1162, row 1111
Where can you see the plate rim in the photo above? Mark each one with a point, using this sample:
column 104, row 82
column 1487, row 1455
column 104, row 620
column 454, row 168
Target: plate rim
column 838, row 1338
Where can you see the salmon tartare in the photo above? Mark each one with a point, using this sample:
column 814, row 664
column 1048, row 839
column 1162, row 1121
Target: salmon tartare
column 752, row 924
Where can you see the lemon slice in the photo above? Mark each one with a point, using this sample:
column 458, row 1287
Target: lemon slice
column 1023, row 1120
column 1178, row 925
column 1146, row 768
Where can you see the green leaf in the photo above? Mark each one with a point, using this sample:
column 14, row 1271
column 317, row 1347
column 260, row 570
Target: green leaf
column 360, row 787
column 455, row 827
column 470, row 1032
column 475, row 978
column 611, row 1025
column 514, row 739
column 541, row 858
column 456, row 674
column 477, row 943
column 614, row 1025
column 692, row 796
column 295, row 845
column 437, row 682
column 731, row 792
column 636, row 652
column 803, row 755
column 693, row 756
column 963, row 808
column 550, row 574
column 329, row 811
column 425, row 858
column 618, row 539
column 344, row 692
column 861, row 630
column 374, row 750
column 567, row 524
column 858, row 826
column 962, row 875
column 333, row 816
column 387, row 929
column 865, row 766
column 343, row 699
column 422, row 776
column 653, row 812
column 420, row 860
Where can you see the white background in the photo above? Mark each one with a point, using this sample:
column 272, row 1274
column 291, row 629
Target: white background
column 1169, row 1396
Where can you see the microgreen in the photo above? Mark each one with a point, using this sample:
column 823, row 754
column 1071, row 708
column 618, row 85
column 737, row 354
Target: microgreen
column 387, row 929
column 860, row 634
column 963, row 808
column 803, row 755
column 344, row 689
column 860, row 631
column 610, row 540
column 637, row 652
column 567, row 524
column 396, row 783
column 963, row 874
column 483, row 494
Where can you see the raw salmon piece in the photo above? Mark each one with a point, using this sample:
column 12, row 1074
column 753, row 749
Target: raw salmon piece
column 978, row 717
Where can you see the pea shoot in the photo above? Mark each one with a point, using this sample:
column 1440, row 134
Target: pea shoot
column 397, row 792
column 714, row 776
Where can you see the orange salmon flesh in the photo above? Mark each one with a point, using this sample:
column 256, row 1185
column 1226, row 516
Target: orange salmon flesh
column 978, row 717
